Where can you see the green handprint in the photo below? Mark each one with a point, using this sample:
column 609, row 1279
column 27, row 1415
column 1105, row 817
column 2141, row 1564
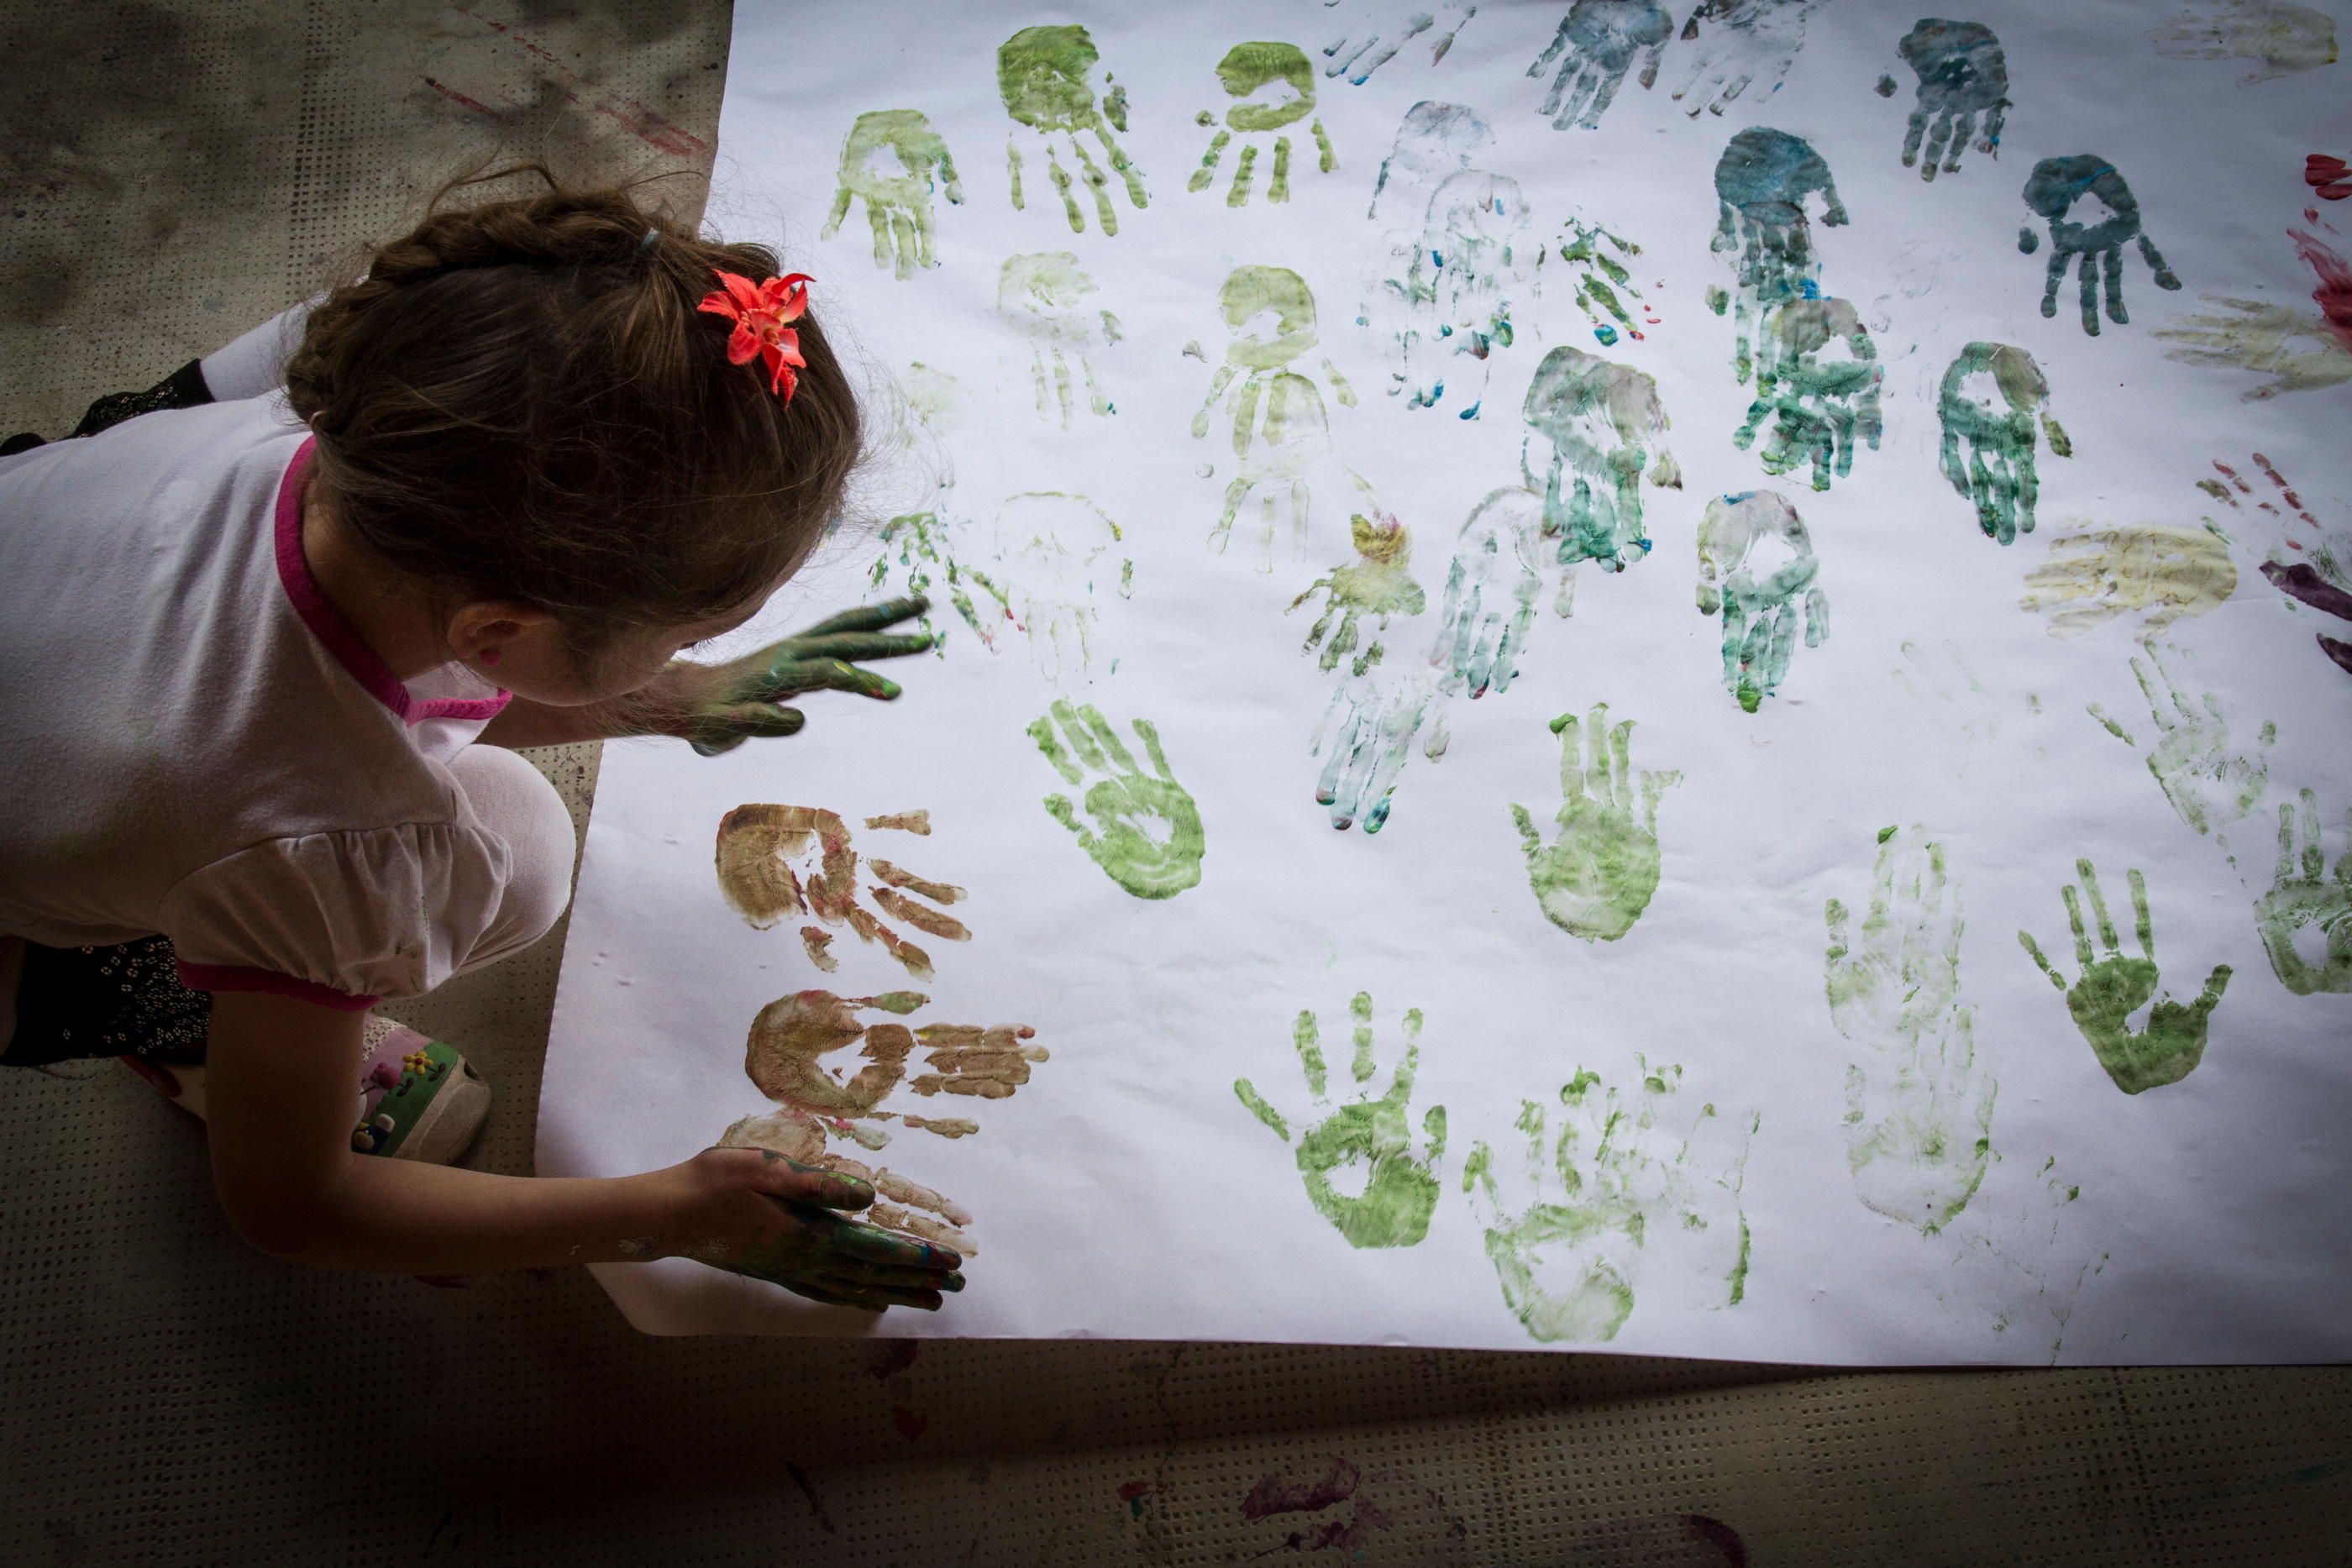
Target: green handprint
column 1918, row 1122
column 2165, row 1050
column 1760, row 612
column 1378, row 583
column 898, row 205
column 2301, row 898
column 1991, row 397
column 1149, row 841
column 1605, row 1195
column 1400, row 1192
column 925, row 543
column 1818, row 402
column 2209, row 783
column 1041, row 73
column 1597, row 877
column 1283, row 75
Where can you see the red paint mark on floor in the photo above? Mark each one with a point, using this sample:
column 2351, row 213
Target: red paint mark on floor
column 462, row 102
column 640, row 122
column 1132, row 1494
column 910, row 1423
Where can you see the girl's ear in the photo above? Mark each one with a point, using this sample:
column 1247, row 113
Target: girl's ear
column 485, row 630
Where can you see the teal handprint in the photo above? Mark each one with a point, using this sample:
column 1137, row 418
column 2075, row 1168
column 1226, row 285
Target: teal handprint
column 1605, row 1194
column 898, row 204
column 1819, row 399
column 1756, row 568
column 1148, row 836
column 1992, row 396
column 1274, row 87
column 1597, row 876
column 2302, row 898
column 1398, row 1190
column 2169, row 1046
column 2054, row 190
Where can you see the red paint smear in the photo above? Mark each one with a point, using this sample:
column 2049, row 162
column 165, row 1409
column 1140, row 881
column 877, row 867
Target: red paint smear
column 910, row 1423
column 1279, row 1494
column 2334, row 292
column 2331, row 177
column 640, row 122
column 1132, row 1490
column 2285, row 489
column 891, row 1357
column 462, row 102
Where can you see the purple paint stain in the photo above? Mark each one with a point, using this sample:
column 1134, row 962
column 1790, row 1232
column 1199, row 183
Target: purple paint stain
column 1700, row 1530
column 1279, row 1494
column 910, row 1423
column 889, row 1357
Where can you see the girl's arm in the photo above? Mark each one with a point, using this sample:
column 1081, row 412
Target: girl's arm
column 282, row 1091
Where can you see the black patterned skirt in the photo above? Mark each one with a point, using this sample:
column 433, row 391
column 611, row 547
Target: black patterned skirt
column 124, row 1000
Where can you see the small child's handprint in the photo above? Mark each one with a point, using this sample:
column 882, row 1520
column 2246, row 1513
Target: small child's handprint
column 897, row 205
column 1061, row 556
column 1596, row 1198
column 2303, row 903
column 1038, row 294
column 1594, row 258
column 1378, row 583
column 1818, row 402
column 782, row 1054
column 1461, row 285
column 1375, row 39
column 924, row 544
column 1364, row 738
column 2283, row 38
column 1597, row 876
column 1758, row 569
column 2310, row 564
column 1962, row 74
column 1147, row 835
column 1363, row 1143
column 1490, row 593
column 1274, row 84
column 1042, row 74
column 2161, row 571
column 1750, row 40
column 1279, row 425
column 910, row 1209
column 2254, row 335
column 1595, row 46
column 2210, row 783
column 2169, row 1046
column 758, row 848
column 2053, row 191
column 1992, row 397
column 1601, row 420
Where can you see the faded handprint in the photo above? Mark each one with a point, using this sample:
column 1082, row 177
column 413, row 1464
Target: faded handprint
column 2169, row 1046
column 2162, row 570
column 1398, row 1190
column 1818, row 402
column 1364, row 738
column 1042, row 74
column 1455, row 294
column 1274, row 85
column 1279, row 425
column 1591, row 255
column 2305, row 908
column 1757, row 569
column 776, row 862
column 1038, row 296
column 924, row 544
column 1948, row 692
column 1597, row 1200
column 1377, row 584
column 1597, row 876
column 1601, row 419
column 1595, row 46
column 784, row 1050
column 2209, row 783
column 1380, row 32
column 1146, row 832
column 1433, row 140
column 1761, row 184
column 1918, row 1122
column 911, row 1209
column 2052, row 190
column 2285, row 40
column 1061, row 555
column 2254, row 336
column 1750, row 41
column 1993, row 397
column 1962, row 75
column 1490, row 593
column 2309, row 564
column 898, row 204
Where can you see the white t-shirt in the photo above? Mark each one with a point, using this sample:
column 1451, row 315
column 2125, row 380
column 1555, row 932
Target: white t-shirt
column 194, row 742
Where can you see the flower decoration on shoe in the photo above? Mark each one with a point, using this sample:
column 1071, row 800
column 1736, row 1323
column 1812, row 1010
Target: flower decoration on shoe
column 760, row 312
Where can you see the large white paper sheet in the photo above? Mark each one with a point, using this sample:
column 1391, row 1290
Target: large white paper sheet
column 1741, row 1055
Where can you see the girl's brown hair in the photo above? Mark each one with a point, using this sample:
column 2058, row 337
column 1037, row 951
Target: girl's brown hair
column 520, row 401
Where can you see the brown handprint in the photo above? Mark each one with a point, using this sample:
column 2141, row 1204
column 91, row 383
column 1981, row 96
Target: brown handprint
column 797, row 1135
column 791, row 1034
column 758, row 845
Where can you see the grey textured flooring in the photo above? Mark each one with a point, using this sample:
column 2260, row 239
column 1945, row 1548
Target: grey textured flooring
column 176, row 172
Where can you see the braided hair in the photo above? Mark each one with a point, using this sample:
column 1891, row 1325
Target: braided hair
column 520, row 401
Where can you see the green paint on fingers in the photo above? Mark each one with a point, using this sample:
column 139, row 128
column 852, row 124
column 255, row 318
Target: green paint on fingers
column 1146, row 832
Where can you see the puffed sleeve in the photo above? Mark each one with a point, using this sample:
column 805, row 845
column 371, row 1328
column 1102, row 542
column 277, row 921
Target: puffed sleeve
column 343, row 919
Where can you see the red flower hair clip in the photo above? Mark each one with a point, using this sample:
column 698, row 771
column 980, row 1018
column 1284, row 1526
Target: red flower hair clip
column 760, row 312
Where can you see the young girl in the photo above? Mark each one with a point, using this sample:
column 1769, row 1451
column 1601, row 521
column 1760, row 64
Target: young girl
column 263, row 647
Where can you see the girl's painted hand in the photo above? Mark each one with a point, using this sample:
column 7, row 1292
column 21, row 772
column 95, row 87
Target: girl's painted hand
column 746, row 698
column 756, row 1213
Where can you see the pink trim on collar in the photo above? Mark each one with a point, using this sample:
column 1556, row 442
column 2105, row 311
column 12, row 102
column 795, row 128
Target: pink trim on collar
column 328, row 625
column 216, row 977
